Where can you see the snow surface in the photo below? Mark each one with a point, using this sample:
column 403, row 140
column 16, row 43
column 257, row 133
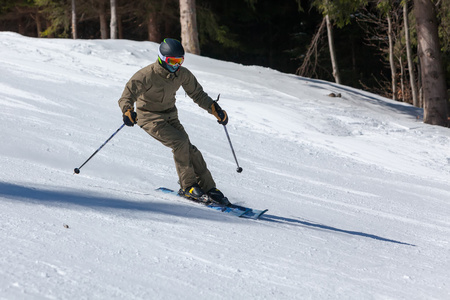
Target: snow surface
column 357, row 187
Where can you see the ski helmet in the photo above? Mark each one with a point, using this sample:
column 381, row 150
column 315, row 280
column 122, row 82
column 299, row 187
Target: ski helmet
column 171, row 54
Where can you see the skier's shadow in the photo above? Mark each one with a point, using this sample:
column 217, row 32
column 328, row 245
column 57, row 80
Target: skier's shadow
column 296, row 222
column 79, row 199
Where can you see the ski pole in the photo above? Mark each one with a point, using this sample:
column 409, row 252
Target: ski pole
column 239, row 169
column 77, row 170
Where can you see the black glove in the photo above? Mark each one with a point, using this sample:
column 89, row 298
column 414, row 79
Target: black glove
column 130, row 117
column 221, row 115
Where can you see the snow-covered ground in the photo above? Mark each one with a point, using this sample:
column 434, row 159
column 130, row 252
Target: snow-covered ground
column 357, row 187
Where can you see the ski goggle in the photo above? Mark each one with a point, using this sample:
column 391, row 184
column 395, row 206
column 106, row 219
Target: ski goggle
column 170, row 60
column 174, row 61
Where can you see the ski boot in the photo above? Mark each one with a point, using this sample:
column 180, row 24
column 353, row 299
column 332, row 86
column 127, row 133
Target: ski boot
column 217, row 197
column 193, row 192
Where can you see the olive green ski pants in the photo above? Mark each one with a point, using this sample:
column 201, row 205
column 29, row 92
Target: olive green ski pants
column 189, row 162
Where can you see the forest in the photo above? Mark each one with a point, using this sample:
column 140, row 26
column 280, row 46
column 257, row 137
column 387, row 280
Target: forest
column 397, row 49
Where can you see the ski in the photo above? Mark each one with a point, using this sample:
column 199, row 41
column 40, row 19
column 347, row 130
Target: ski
column 235, row 210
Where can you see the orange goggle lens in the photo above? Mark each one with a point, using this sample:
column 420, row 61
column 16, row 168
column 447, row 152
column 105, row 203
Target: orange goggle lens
column 174, row 61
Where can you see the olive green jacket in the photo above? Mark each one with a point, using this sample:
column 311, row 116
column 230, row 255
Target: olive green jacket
column 153, row 89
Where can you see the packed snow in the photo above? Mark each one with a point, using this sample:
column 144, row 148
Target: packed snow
column 357, row 187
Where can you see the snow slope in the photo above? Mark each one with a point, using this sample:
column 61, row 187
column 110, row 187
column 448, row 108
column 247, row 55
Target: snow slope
column 357, row 188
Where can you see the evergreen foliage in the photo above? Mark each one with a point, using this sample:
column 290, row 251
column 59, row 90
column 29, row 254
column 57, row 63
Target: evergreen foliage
column 269, row 33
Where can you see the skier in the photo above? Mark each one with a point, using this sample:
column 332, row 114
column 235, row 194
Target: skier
column 153, row 89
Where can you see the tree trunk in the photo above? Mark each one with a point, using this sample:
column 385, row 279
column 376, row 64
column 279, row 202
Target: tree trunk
column 103, row 26
column 189, row 32
column 402, row 78
column 336, row 74
column 154, row 34
column 102, row 16
column 38, row 24
column 113, row 23
column 433, row 76
column 119, row 26
column 419, row 78
column 412, row 76
column 391, row 58
column 74, row 20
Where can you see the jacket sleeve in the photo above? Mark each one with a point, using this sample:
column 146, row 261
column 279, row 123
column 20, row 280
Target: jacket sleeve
column 195, row 91
column 132, row 90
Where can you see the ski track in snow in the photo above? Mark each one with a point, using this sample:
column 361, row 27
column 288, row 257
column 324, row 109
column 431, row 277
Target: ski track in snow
column 357, row 188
